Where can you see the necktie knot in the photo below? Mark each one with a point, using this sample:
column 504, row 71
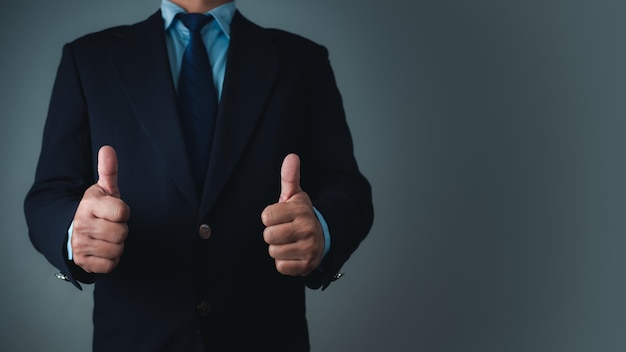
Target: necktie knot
column 194, row 21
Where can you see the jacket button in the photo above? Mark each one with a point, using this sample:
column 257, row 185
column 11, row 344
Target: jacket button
column 204, row 232
column 204, row 308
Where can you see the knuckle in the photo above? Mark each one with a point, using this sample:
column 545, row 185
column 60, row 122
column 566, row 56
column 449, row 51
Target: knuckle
column 125, row 233
column 309, row 228
column 266, row 216
column 78, row 242
column 124, row 212
column 267, row 235
column 306, row 227
column 282, row 267
column 83, row 212
column 271, row 250
column 108, row 266
column 121, row 233
column 309, row 249
column 79, row 224
column 119, row 212
column 118, row 251
column 303, row 199
column 303, row 211
column 79, row 260
column 78, row 251
column 310, row 256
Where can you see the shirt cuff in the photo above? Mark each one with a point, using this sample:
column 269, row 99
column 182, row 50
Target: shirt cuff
column 70, row 256
column 326, row 231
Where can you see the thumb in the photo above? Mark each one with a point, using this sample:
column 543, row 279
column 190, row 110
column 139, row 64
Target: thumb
column 289, row 177
column 107, row 170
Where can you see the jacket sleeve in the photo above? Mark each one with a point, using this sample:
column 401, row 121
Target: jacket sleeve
column 64, row 171
column 337, row 188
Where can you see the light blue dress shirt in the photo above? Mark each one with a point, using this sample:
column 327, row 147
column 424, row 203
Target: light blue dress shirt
column 216, row 37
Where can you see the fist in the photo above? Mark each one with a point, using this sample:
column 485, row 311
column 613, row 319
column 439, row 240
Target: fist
column 100, row 227
column 293, row 232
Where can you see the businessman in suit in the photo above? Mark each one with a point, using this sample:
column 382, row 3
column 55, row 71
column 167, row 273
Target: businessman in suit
column 181, row 262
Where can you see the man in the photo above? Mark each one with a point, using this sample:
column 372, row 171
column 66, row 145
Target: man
column 217, row 262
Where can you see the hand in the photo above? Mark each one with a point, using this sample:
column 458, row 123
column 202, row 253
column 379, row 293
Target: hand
column 293, row 232
column 100, row 227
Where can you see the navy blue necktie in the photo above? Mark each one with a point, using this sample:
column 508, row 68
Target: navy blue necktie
column 197, row 97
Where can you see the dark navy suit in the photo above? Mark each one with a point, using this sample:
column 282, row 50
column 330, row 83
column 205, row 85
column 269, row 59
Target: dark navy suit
column 172, row 290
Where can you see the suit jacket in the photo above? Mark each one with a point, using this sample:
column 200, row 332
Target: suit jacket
column 172, row 290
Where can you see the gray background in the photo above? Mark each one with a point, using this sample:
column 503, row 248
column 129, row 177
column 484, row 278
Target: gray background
column 492, row 133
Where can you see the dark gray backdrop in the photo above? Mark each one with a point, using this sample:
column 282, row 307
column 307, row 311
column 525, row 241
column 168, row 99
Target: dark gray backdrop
column 492, row 133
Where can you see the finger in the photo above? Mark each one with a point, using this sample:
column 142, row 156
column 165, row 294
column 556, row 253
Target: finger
column 291, row 251
column 278, row 213
column 92, row 264
column 89, row 247
column 307, row 250
column 289, row 177
column 284, row 252
column 294, row 267
column 281, row 234
column 111, row 209
column 107, row 170
column 103, row 230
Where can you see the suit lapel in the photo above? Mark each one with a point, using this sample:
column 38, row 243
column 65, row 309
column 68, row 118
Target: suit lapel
column 145, row 74
column 251, row 68
column 143, row 68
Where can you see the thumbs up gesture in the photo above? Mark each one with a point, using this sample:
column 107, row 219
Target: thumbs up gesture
column 100, row 227
column 293, row 232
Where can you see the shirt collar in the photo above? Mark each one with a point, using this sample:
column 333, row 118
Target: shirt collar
column 223, row 14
